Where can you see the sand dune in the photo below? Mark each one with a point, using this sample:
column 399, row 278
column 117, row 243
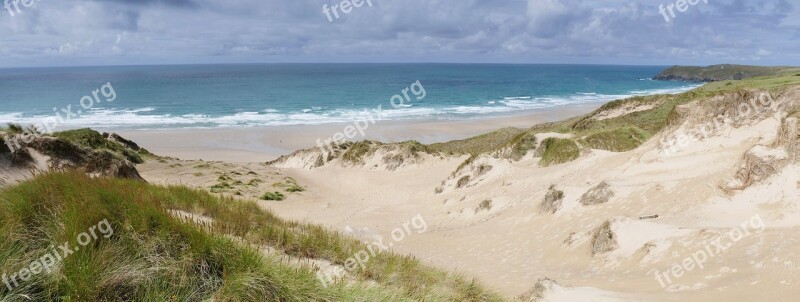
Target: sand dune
column 648, row 211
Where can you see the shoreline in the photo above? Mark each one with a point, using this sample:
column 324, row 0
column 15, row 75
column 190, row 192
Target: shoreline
column 258, row 144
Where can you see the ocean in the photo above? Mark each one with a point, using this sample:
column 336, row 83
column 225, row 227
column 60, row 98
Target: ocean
column 248, row 95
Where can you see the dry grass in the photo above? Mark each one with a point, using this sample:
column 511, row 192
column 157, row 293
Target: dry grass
column 600, row 194
column 552, row 200
column 604, row 240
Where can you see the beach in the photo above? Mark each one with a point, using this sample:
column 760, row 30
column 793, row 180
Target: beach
column 259, row 144
column 663, row 206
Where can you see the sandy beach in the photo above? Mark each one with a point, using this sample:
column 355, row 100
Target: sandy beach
column 258, row 144
column 486, row 216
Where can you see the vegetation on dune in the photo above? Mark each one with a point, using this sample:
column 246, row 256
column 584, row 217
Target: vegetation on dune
column 552, row 200
column 273, row 196
column 478, row 145
column 91, row 139
column 617, row 134
column 617, row 140
column 155, row 255
column 356, row 152
column 557, row 151
column 290, row 185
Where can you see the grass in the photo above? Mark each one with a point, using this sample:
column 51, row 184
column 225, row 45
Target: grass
column 356, row 152
column 91, row 139
column 220, row 187
column 477, row 145
column 276, row 196
column 290, row 185
column 725, row 72
column 154, row 256
column 618, row 134
column 558, row 151
column 618, row 140
column 485, row 205
column 552, row 200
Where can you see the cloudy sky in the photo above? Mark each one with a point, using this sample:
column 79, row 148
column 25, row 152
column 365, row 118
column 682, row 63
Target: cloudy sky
column 124, row 32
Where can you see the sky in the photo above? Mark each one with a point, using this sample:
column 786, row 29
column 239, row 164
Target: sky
column 634, row 32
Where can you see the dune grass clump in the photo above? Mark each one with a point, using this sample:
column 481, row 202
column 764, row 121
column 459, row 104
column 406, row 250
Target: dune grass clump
column 477, row 145
column 485, row 205
column 290, row 185
column 557, row 151
column 617, row 140
column 604, row 240
column 295, row 189
column 155, row 255
column 273, row 196
column 357, row 152
column 600, row 194
column 462, row 182
column 522, row 144
column 552, row 200
column 15, row 128
column 220, row 187
column 91, row 139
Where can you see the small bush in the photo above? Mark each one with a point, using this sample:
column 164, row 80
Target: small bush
column 276, row 196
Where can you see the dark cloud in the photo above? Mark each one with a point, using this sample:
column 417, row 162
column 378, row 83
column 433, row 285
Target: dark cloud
column 88, row 32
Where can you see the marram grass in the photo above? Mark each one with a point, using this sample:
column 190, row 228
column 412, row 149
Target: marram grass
column 154, row 256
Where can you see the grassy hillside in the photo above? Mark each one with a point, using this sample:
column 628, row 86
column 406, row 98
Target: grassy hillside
column 154, row 255
column 618, row 134
column 724, row 72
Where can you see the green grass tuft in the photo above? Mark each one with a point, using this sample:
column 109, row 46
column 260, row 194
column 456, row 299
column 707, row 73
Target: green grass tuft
column 91, row 139
column 617, row 140
column 155, row 256
column 558, row 151
column 276, row 196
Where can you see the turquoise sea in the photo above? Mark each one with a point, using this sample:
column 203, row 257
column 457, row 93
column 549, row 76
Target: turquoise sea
column 209, row 96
